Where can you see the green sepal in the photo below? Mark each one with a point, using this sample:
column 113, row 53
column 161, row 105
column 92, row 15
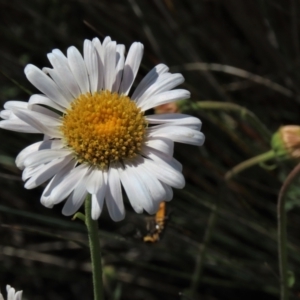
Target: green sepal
column 79, row 216
column 278, row 146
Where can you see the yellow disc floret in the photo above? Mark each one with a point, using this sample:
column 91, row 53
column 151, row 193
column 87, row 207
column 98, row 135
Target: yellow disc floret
column 104, row 127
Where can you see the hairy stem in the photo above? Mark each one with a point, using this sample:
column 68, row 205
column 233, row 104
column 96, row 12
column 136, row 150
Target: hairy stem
column 282, row 238
column 94, row 242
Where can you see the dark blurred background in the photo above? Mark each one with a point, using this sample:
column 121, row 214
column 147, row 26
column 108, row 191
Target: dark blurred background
column 45, row 254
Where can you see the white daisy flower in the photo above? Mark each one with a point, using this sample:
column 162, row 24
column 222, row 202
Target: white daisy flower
column 96, row 135
column 12, row 294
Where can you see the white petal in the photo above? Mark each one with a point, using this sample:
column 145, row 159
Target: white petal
column 100, row 52
column 165, row 173
column 94, row 181
column 114, row 199
column 120, row 51
column 178, row 134
column 46, row 198
column 46, row 85
column 25, row 152
column 50, row 126
column 132, row 64
column 15, row 104
column 147, row 151
column 175, row 119
column 96, row 209
column 169, row 192
column 49, row 144
column 47, row 112
column 68, row 184
column 29, row 171
column 7, row 114
column 161, row 158
column 164, row 82
column 44, row 156
column 91, row 62
column 18, row 126
column 175, row 164
column 76, row 199
column 62, row 59
column 133, row 188
column 43, row 100
column 148, row 80
column 98, row 198
column 153, row 187
column 49, row 117
column 9, row 106
column 18, row 295
column 78, row 68
column 144, row 191
column 97, row 44
column 163, row 145
column 110, row 65
column 106, row 41
column 164, row 98
column 61, row 66
column 10, row 292
column 47, row 171
column 119, row 67
column 60, row 82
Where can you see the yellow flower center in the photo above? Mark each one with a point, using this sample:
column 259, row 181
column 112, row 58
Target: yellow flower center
column 104, row 127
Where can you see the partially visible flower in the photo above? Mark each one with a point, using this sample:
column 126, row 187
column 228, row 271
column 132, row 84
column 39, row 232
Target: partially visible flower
column 167, row 108
column 96, row 136
column 286, row 142
column 12, row 294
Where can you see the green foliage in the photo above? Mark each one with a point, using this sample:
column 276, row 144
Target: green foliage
column 291, row 279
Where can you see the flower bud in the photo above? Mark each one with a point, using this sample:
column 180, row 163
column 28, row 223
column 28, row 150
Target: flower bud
column 286, row 142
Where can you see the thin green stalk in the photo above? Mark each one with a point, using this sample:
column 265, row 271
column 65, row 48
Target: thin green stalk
column 94, row 242
column 282, row 248
column 196, row 278
column 232, row 107
column 17, row 83
column 249, row 163
column 282, row 235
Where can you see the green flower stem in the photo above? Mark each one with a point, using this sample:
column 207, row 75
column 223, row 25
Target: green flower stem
column 231, row 107
column 249, row 163
column 282, row 248
column 92, row 228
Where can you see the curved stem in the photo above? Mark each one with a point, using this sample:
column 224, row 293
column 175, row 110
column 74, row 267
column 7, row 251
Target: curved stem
column 282, row 251
column 282, row 239
column 228, row 106
column 94, row 242
column 249, row 163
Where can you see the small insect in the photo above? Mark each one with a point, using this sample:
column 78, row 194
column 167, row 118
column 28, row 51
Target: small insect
column 156, row 224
